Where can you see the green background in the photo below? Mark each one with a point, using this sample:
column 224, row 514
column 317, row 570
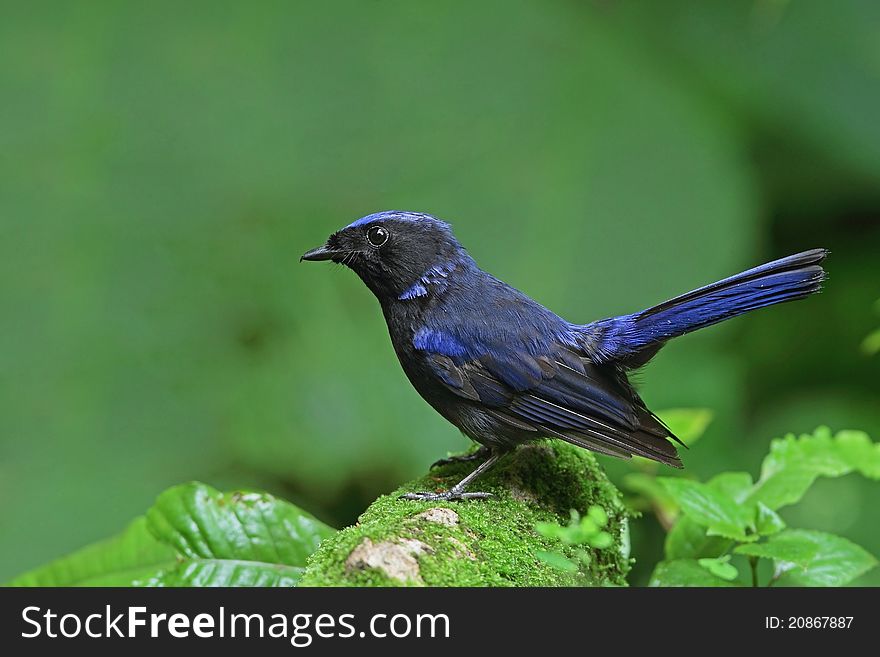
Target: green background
column 163, row 165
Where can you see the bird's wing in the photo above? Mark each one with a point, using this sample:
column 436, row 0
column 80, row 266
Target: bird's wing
column 558, row 392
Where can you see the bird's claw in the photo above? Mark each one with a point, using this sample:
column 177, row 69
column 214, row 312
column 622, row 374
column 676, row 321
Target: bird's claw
column 448, row 496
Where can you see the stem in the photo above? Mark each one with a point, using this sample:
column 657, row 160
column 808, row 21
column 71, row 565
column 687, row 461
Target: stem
column 753, row 562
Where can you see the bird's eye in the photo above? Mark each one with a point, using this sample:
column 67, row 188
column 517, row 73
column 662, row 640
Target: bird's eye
column 377, row 236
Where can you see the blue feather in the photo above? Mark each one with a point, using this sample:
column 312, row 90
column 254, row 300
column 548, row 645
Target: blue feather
column 435, row 279
column 417, row 290
column 644, row 332
column 438, row 342
column 399, row 215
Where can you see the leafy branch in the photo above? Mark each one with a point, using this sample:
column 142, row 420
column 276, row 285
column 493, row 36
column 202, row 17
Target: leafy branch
column 733, row 515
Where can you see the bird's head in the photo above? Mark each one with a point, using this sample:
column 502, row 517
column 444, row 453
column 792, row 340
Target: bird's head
column 399, row 255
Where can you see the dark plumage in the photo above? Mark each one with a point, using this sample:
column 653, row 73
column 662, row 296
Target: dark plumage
column 504, row 369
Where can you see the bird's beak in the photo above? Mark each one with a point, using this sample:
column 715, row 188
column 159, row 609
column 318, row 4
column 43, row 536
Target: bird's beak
column 320, row 253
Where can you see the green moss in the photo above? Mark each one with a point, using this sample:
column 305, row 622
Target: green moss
column 494, row 541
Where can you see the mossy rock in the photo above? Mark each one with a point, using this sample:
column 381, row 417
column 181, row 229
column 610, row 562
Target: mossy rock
column 489, row 542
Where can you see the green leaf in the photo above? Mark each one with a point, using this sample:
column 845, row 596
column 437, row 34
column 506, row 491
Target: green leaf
column 557, row 561
column 553, row 530
column 736, row 485
column 648, row 486
column 196, row 536
column 857, row 449
column 813, row 558
column 794, row 463
column 688, row 540
column 580, row 531
column 768, row 521
column 684, row 572
column 720, row 567
column 689, row 424
column 601, row 540
column 871, row 343
column 598, row 515
column 232, row 539
column 718, row 512
column 116, row 561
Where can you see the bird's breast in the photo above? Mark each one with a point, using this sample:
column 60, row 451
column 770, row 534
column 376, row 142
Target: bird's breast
column 403, row 325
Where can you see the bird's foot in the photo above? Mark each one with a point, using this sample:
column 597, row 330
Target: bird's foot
column 457, row 492
column 480, row 455
column 448, row 496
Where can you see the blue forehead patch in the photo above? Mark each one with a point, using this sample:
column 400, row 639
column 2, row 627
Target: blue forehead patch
column 398, row 215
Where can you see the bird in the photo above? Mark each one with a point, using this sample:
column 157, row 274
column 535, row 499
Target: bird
column 506, row 370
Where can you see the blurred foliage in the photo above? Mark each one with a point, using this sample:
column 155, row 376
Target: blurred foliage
column 871, row 343
column 586, row 530
column 164, row 166
column 733, row 515
column 689, row 425
column 583, row 533
column 196, row 536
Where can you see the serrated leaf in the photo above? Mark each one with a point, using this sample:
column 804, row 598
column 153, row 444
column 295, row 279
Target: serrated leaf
column 688, row 540
column 196, row 536
column 709, row 507
column 689, row 424
column 816, row 451
column 767, row 521
column 720, row 567
column 813, row 558
column 684, row 572
column 116, row 561
column 860, row 452
column 794, row 463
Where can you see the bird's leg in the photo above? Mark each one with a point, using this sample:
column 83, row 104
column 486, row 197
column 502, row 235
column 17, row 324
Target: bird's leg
column 457, row 492
column 481, row 454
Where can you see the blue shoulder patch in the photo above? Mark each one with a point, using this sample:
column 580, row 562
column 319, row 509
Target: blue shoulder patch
column 437, row 342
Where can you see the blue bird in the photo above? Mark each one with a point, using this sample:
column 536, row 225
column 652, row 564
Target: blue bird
column 506, row 370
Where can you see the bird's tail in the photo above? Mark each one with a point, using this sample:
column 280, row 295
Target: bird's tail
column 634, row 339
